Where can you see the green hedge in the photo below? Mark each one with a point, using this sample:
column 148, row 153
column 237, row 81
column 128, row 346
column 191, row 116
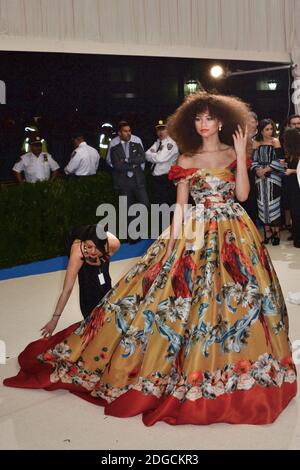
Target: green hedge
column 34, row 218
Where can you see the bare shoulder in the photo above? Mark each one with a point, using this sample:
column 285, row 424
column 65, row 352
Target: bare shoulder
column 75, row 258
column 75, row 249
column 113, row 242
column 255, row 144
column 112, row 238
column 185, row 161
column 224, row 147
column 230, row 152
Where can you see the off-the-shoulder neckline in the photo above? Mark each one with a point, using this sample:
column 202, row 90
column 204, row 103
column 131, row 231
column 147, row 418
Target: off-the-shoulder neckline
column 208, row 169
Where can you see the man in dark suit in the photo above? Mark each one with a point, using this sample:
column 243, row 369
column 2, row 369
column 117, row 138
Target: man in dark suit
column 127, row 160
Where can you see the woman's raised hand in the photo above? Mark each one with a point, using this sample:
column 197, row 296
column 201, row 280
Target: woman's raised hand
column 240, row 139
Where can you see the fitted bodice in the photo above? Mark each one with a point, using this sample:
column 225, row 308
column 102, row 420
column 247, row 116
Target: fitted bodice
column 212, row 186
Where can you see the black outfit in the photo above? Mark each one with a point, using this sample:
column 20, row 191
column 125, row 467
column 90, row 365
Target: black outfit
column 285, row 198
column 91, row 291
column 293, row 199
column 164, row 190
column 250, row 205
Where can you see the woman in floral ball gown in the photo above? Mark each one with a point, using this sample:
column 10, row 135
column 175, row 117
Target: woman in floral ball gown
column 197, row 331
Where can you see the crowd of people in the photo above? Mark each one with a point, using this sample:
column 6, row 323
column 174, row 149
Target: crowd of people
column 275, row 190
column 274, row 194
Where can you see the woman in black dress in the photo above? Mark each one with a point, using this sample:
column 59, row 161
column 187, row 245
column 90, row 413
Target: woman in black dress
column 292, row 152
column 89, row 259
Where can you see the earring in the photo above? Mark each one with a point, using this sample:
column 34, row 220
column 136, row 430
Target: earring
column 220, row 127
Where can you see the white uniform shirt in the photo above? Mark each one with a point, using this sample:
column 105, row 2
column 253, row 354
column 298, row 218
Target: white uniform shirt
column 163, row 156
column 116, row 140
column 36, row 168
column 84, row 161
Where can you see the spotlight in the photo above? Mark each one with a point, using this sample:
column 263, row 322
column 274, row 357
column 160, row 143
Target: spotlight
column 217, row 71
column 272, row 84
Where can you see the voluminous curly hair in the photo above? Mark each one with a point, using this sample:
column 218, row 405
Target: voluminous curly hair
column 230, row 110
column 292, row 144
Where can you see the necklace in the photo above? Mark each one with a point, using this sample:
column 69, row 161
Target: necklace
column 212, row 151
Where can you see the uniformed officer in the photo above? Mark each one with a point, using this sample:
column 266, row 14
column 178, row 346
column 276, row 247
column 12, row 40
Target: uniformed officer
column 84, row 159
column 162, row 154
column 105, row 139
column 32, row 131
column 36, row 165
